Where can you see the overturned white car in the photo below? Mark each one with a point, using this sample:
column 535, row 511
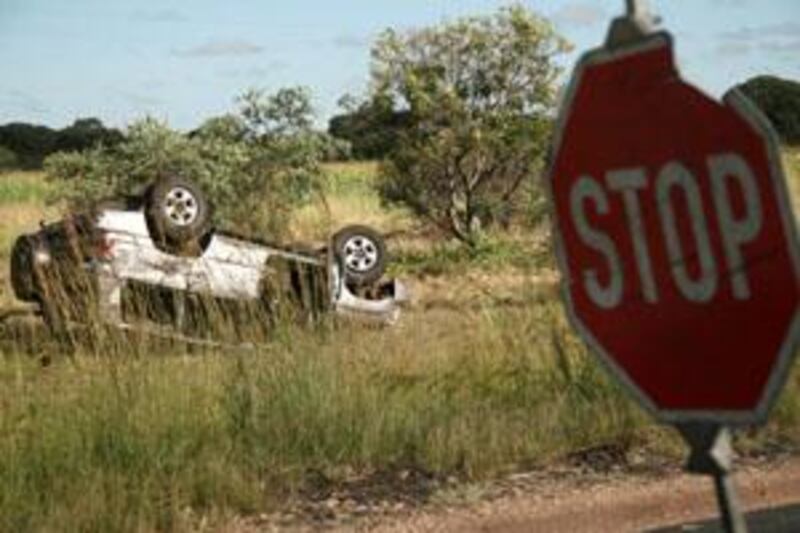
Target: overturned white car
column 161, row 244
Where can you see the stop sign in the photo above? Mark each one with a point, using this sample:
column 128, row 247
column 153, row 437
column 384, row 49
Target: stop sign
column 675, row 237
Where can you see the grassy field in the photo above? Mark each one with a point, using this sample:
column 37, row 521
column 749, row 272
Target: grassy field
column 482, row 377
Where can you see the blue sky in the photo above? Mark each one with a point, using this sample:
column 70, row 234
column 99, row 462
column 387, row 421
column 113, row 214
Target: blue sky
column 185, row 61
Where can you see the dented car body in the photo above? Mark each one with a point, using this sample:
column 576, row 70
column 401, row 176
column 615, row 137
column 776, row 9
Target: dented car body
column 85, row 267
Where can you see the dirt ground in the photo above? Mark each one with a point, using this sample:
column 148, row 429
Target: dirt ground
column 672, row 502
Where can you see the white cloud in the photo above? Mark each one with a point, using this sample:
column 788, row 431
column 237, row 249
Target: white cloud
column 779, row 37
column 221, row 48
column 749, row 33
column 140, row 99
column 161, row 15
column 23, row 101
column 255, row 71
column 350, row 41
column 579, row 14
column 733, row 48
column 732, row 3
column 790, row 46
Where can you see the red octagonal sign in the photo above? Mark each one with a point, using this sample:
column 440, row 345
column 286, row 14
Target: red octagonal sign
column 675, row 237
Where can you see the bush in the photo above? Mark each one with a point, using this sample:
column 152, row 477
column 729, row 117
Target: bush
column 31, row 143
column 479, row 93
column 372, row 130
column 332, row 148
column 256, row 165
column 8, row 159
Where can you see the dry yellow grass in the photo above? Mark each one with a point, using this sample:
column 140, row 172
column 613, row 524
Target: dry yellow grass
column 16, row 219
column 348, row 198
column 21, row 209
column 791, row 162
column 22, row 205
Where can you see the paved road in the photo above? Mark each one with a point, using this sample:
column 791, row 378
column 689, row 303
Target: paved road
column 677, row 502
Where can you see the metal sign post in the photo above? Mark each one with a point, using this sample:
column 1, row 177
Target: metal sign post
column 666, row 203
column 711, row 454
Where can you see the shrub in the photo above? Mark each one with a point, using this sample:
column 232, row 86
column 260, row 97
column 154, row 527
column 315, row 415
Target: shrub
column 372, row 130
column 256, row 165
column 479, row 93
column 779, row 99
column 8, row 159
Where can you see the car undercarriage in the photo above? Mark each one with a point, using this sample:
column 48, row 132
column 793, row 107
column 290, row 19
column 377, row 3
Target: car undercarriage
column 157, row 260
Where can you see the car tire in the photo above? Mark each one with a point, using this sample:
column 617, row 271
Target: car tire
column 362, row 252
column 178, row 214
column 22, row 280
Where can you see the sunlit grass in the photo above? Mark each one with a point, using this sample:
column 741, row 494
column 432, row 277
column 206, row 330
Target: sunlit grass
column 22, row 205
column 348, row 198
column 119, row 442
column 22, row 187
column 14, row 220
column 116, row 443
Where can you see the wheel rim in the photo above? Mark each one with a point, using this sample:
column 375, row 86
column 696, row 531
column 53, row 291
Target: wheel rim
column 181, row 207
column 360, row 253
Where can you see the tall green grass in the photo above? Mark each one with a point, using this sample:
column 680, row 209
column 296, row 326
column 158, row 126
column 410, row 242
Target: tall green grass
column 125, row 442
column 498, row 250
column 133, row 440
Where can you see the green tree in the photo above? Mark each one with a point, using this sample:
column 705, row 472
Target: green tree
column 30, row 142
column 256, row 164
column 372, row 130
column 33, row 143
column 480, row 95
column 85, row 133
column 779, row 99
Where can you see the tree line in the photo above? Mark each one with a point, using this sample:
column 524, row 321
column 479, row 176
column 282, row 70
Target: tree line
column 368, row 128
column 371, row 128
column 25, row 146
